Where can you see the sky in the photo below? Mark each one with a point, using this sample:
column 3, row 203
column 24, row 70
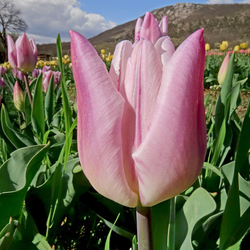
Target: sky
column 47, row 18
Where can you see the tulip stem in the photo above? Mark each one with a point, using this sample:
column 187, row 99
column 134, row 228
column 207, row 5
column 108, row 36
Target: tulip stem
column 171, row 226
column 28, row 89
column 144, row 229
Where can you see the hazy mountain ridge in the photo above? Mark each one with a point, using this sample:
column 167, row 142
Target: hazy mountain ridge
column 229, row 22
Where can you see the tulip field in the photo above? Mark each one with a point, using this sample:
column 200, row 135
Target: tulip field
column 144, row 149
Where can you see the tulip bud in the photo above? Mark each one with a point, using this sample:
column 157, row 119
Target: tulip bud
column 2, row 82
column 103, row 51
column 46, row 68
column 18, row 74
column 46, row 79
column 207, row 46
column 223, row 70
column 243, row 45
column 22, row 55
column 18, row 97
column 225, row 43
column 36, row 72
column 3, row 70
column 236, row 48
column 57, row 76
column 223, row 47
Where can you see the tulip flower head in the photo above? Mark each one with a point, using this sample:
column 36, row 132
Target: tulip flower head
column 18, row 97
column 141, row 126
column 243, row 45
column 207, row 46
column 22, row 55
column 2, row 82
column 36, row 72
column 57, row 76
column 236, row 48
column 18, row 74
column 223, row 70
column 46, row 79
column 223, row 47
column 46, row 68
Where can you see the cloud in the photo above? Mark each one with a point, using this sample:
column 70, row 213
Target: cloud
column 47, row 18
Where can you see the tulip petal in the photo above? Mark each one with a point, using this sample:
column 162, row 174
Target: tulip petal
column 164, row 26
column 100, row 109
column 119, row 62
column 171, row 157
column 138, row 29
column 150, row 29
column 11, row 52
column 142, row 83
column 165, row 49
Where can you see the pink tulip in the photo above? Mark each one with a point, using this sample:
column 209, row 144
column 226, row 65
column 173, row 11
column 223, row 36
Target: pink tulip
column 18, row 97
column 2, row 82
column 141, row 127
column 36, row 72
column 223, row 69
column 46, row 79
column 57, row 76
column 22, row 55
column 46, row 68
column 3, row 70
column 18, row 74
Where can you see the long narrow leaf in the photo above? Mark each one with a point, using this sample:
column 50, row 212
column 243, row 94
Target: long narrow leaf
column 37, row 114
column 50, row 102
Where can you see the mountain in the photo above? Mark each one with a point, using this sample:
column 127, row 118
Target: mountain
column 221, row 22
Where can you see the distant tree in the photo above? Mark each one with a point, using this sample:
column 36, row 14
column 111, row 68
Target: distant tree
column 11, row 21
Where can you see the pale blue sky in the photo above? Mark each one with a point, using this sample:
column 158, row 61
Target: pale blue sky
column 47, row 18
column 124, row 11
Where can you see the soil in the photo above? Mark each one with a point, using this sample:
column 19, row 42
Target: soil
column 241, row 110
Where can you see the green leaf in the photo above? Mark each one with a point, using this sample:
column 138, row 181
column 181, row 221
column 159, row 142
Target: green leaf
column 235, row 99
column 242, row 164
column 107, row 243
column 134, row 243
column 213, row 169
column 66, row 103
column 50, row 102
column 17, row 139
column 199, row 205
column 15, row 177
column 40, row 242
column 37, row 115
column 237, row 210
column 160, row 212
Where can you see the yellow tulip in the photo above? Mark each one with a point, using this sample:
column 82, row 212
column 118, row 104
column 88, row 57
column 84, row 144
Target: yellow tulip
column 225, row 43
column 236, row 48
column 223, row 47
column 207, row 46
column 243, row 45
column 103, row 51
column 66, row 57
